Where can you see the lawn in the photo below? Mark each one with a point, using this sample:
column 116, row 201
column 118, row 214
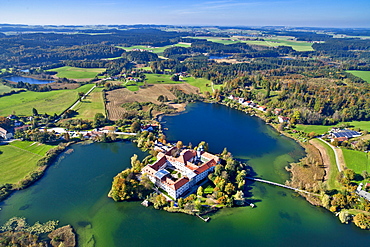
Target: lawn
column 77, row 73
column 356, row 160
column 6, row 89
column 19, row 159
column 91, row 105
column 45, row 102
column 364, row 75
column 153, row 49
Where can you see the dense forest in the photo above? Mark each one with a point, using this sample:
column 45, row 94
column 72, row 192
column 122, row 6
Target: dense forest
column 312, row 86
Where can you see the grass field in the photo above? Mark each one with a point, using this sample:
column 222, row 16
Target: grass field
column 5, row 89
column 356, row 160
column 319, row 129
column 153, row 49
column 45, row 102
column 77, row 73
column 91, row 105
column 364, row 75
column 201, row 83
column 18, row 159
column 160, row 79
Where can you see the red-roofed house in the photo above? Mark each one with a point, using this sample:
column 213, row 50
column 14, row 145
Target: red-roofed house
column 178, row 175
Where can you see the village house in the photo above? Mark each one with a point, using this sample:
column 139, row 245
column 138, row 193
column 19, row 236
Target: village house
column 337, row 133
column 278, row 111
column 178, row 174
column 5, row 134
column 262, row 108
column 283, row 119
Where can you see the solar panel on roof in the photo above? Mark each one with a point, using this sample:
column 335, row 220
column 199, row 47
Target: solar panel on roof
column 348, row 133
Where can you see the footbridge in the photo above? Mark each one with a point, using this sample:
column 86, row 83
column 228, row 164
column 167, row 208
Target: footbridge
column 280, row 185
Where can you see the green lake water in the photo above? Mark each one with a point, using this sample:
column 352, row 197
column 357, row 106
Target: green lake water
column 74, row 191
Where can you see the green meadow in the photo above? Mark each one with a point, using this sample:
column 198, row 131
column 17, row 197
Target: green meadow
column 5, row 89
column 51, row 102
column 356, row 160
column 91, row 105
column 160, row 79
column 203, row 84
column 364, row 75
column 19, row 158
column 77, row 73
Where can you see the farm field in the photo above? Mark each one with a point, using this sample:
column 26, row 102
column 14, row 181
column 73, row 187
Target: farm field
column 91, row 105
column 45, row 102
column 19, row 159
column 364, row 75
column 276, row 41
column 153, row 49
column 356, row 160
column 117, row 97
column 296, row 45
column 77, row 73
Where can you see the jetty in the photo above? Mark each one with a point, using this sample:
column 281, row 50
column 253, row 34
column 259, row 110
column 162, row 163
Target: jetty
column 280, row 185
column 204, row 219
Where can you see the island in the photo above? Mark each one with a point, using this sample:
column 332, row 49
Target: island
column 183, row 179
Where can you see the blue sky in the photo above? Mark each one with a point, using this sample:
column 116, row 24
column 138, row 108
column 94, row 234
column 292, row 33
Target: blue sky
column 312, row 13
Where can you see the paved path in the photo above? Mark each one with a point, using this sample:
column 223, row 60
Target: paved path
column 335, row 154
column 280, row 185
column 83, row 97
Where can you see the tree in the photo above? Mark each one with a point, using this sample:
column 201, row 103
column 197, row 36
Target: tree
column 362, row 221
column 179, row 145
column 99, row 120
column 229, row 188
column 160, row 98
column 35, row 112
column 200, row 191
column 349, row 174
column 175, row 78
column 5, row 122
column 80, row 95
column 325, row 201
column 135, row 127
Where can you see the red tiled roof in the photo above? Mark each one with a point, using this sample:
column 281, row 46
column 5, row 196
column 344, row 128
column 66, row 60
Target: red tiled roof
column 158, row 163
column 205, row 167
column 181, row 182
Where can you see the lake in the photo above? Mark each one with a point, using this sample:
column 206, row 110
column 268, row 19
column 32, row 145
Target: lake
column 219, row 57
column 27, row 79
column 74, row 191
